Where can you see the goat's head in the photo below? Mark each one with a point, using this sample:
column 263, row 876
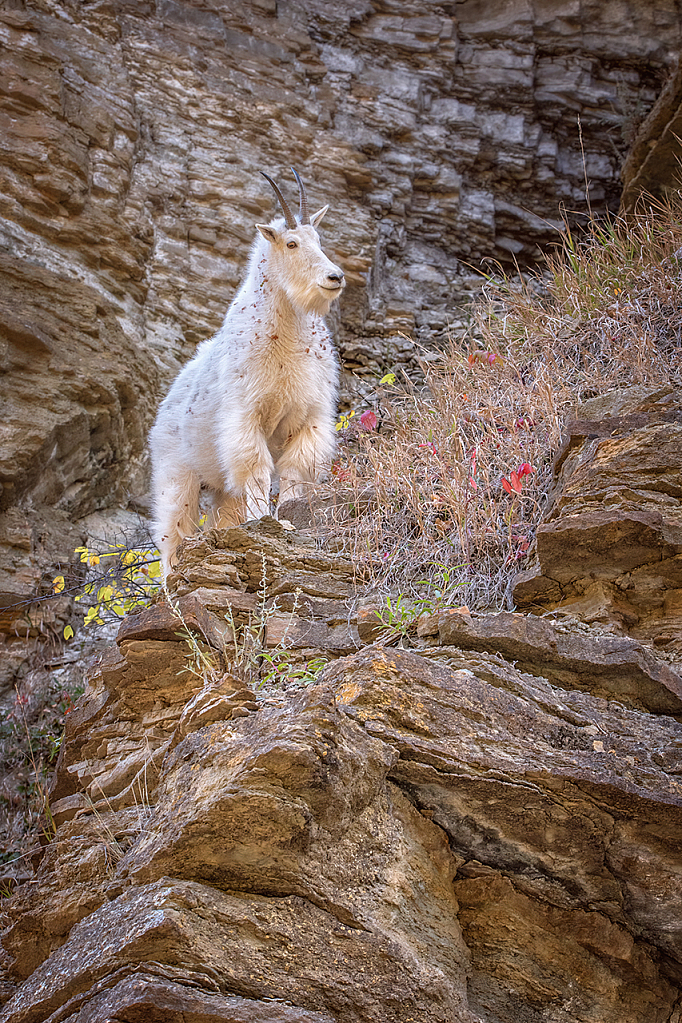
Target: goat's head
column 296, row 261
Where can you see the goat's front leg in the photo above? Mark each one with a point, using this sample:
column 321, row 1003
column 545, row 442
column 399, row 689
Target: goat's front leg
column 248, row 469
column 226, row 510
column 176, row 504
column 307, row 454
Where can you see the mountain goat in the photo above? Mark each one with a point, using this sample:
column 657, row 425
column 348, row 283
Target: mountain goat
column 258, row 400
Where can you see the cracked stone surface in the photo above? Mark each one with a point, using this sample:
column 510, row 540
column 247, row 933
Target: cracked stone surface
column 444, row 833
column 609, row 547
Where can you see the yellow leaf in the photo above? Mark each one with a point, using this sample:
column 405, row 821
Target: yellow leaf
column 93, row 559
column 130, row 558
column 92, row 615
column 68, row 632
column 58, row 583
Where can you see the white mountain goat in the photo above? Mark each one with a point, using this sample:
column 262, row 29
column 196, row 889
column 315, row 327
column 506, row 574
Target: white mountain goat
column 258, row 400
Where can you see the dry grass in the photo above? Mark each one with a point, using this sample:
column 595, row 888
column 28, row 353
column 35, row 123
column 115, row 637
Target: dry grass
column 607, row 313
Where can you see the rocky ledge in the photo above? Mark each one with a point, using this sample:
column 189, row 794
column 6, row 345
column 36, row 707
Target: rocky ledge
column 485, row 827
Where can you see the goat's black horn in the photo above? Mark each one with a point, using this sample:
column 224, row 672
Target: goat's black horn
column 305, row 213
column 288, row 215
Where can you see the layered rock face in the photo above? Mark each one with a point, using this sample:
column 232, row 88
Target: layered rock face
column 652, row 167
column 132, row 134
column 484, row 828
column 609, row 549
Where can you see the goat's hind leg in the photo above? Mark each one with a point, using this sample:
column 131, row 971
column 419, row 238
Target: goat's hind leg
column 177, row 513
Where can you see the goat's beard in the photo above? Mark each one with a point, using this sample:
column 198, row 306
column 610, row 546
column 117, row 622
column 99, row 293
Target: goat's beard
column 313, row 300
column 320, row 304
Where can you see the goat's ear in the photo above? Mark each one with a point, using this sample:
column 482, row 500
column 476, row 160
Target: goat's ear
column 268, row 233
column 317, row 217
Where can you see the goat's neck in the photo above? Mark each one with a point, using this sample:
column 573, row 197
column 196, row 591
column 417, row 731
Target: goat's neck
column 283, row 321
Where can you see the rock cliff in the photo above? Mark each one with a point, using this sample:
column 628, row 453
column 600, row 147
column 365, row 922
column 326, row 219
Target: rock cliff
column 482, row 828
column 132, row 133
column 267, row 806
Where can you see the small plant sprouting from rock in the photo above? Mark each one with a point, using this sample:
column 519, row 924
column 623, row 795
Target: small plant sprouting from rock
column 280, row 670
column 400, row 616
column 246, row 656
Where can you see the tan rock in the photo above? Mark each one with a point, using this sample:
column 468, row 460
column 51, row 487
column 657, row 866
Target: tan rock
column 324, row 831
column 612, row 531
column 264, row 949
column 652, row 165
column 568, row 655
column 224, row 846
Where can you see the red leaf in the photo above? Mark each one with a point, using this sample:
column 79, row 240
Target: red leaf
column 515, row 482
column 368, row 420
column 506, row 484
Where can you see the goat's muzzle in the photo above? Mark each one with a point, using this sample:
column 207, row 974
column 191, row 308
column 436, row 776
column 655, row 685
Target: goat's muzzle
column 335, row 281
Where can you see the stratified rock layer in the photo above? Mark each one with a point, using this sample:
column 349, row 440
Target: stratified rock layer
column 609, row 546
column 438, row 834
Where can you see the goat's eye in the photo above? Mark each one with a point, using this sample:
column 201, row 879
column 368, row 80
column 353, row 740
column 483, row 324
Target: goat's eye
column 292, row 245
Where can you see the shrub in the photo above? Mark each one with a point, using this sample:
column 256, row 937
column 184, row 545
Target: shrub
column 457, row 473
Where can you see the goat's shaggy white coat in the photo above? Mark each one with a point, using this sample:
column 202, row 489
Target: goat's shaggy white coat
column 258, row 400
